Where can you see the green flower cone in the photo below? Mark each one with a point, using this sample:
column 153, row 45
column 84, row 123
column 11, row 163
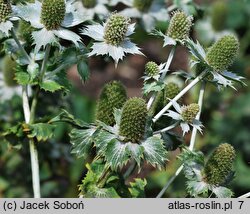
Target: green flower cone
column 9, row 67
column 189, row 112
column 113, row 95
column 5, row 10
column 53, row 12
column 133, row 120
column 223, row 53
column 151, row 69
column 219, row 165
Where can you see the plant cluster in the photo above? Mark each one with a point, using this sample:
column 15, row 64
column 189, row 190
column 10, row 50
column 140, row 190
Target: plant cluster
column 128, row 133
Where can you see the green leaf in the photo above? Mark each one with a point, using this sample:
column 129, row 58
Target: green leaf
column 153, row 87
column 195, row 188
column 136, row 152
column 50, row 86
column 82, row 140
column 66, row 117
column 83, row 70
column 14, row 135
column 40, row 131
column 222, row 192
column 96, row 192
column 154, row 152
column 137, row 189
column 116, row 154
column 22, row 78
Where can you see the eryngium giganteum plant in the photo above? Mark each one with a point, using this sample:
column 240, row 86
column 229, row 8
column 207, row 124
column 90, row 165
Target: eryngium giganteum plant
column 219, row 165
column 113, row 96
column 133, row 119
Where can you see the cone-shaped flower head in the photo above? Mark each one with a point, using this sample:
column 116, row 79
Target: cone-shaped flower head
column 53, row 12
column 171, row 90
column 133, row 120
column 219, row 165
column 116, row 29
column 151, row 69
column 189, row 112
column 25, row 30
column 179, row 26
column 9, row 67
column 218, row 15
column 142, row 5
column 223, row 53
column 5, row 10
column 113, row 95
column 89, row 3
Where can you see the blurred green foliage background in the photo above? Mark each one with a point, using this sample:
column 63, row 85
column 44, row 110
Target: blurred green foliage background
column 226, row 116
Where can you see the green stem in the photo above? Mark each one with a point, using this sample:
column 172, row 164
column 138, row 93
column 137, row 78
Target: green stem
column 167, row 128
column 163, row 75
column 45, row 60
column 191, row 145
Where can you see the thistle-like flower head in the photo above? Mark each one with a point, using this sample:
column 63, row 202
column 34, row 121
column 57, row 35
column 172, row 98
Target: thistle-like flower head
column 89, row 3
column 116, row 29
column 9, row 67
column 179, row 26
column 223, row 53
column 5, row 10
column 171, row 90
column 152, row 69
column 189, row 112
column 113, row 96
column 133, row 120
column 53, row 12
column 142, row 5
column 219, row 165
column 112, row 37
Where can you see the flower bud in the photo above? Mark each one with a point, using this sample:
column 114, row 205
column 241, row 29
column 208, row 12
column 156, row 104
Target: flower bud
column 219, row 165
column 53, row 13
column 142, row 5
column 5, row 10
column 189, row 112
column 223, row 53
column 116, row 29
column 9, row 67
column 179, row 26
column 151, row 69
column 89, row 3
column 133, row 120
column 113, row 95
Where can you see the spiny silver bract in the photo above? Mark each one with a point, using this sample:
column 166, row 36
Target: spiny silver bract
column 179, row 26
column 116, row 29
column 5, row 10
column 133, row 120
column 223, row 53
column 53, row 13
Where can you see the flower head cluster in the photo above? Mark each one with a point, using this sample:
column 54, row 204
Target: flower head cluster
column 113, row 96
column 223, row 53
column 219, row 165
column 51, row 17
column 148, row 11
column 133, row 120
column 186, row 116
column 112, row 37
column 152, row 69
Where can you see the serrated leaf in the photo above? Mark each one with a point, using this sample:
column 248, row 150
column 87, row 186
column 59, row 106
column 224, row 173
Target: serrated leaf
column 40, row 131
column 196, row 188
column 50, row 86
column 153, row 87
column 136, row 152
column 222, row 81
column 65, row 116
column 22, row 78
column 83, row 70
column 222, row 192
column 116, row 154
column 196, row 50
column 154, row 152
column 14, row 135
column 137, row 188
column 82, row 140
column 234, row 77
